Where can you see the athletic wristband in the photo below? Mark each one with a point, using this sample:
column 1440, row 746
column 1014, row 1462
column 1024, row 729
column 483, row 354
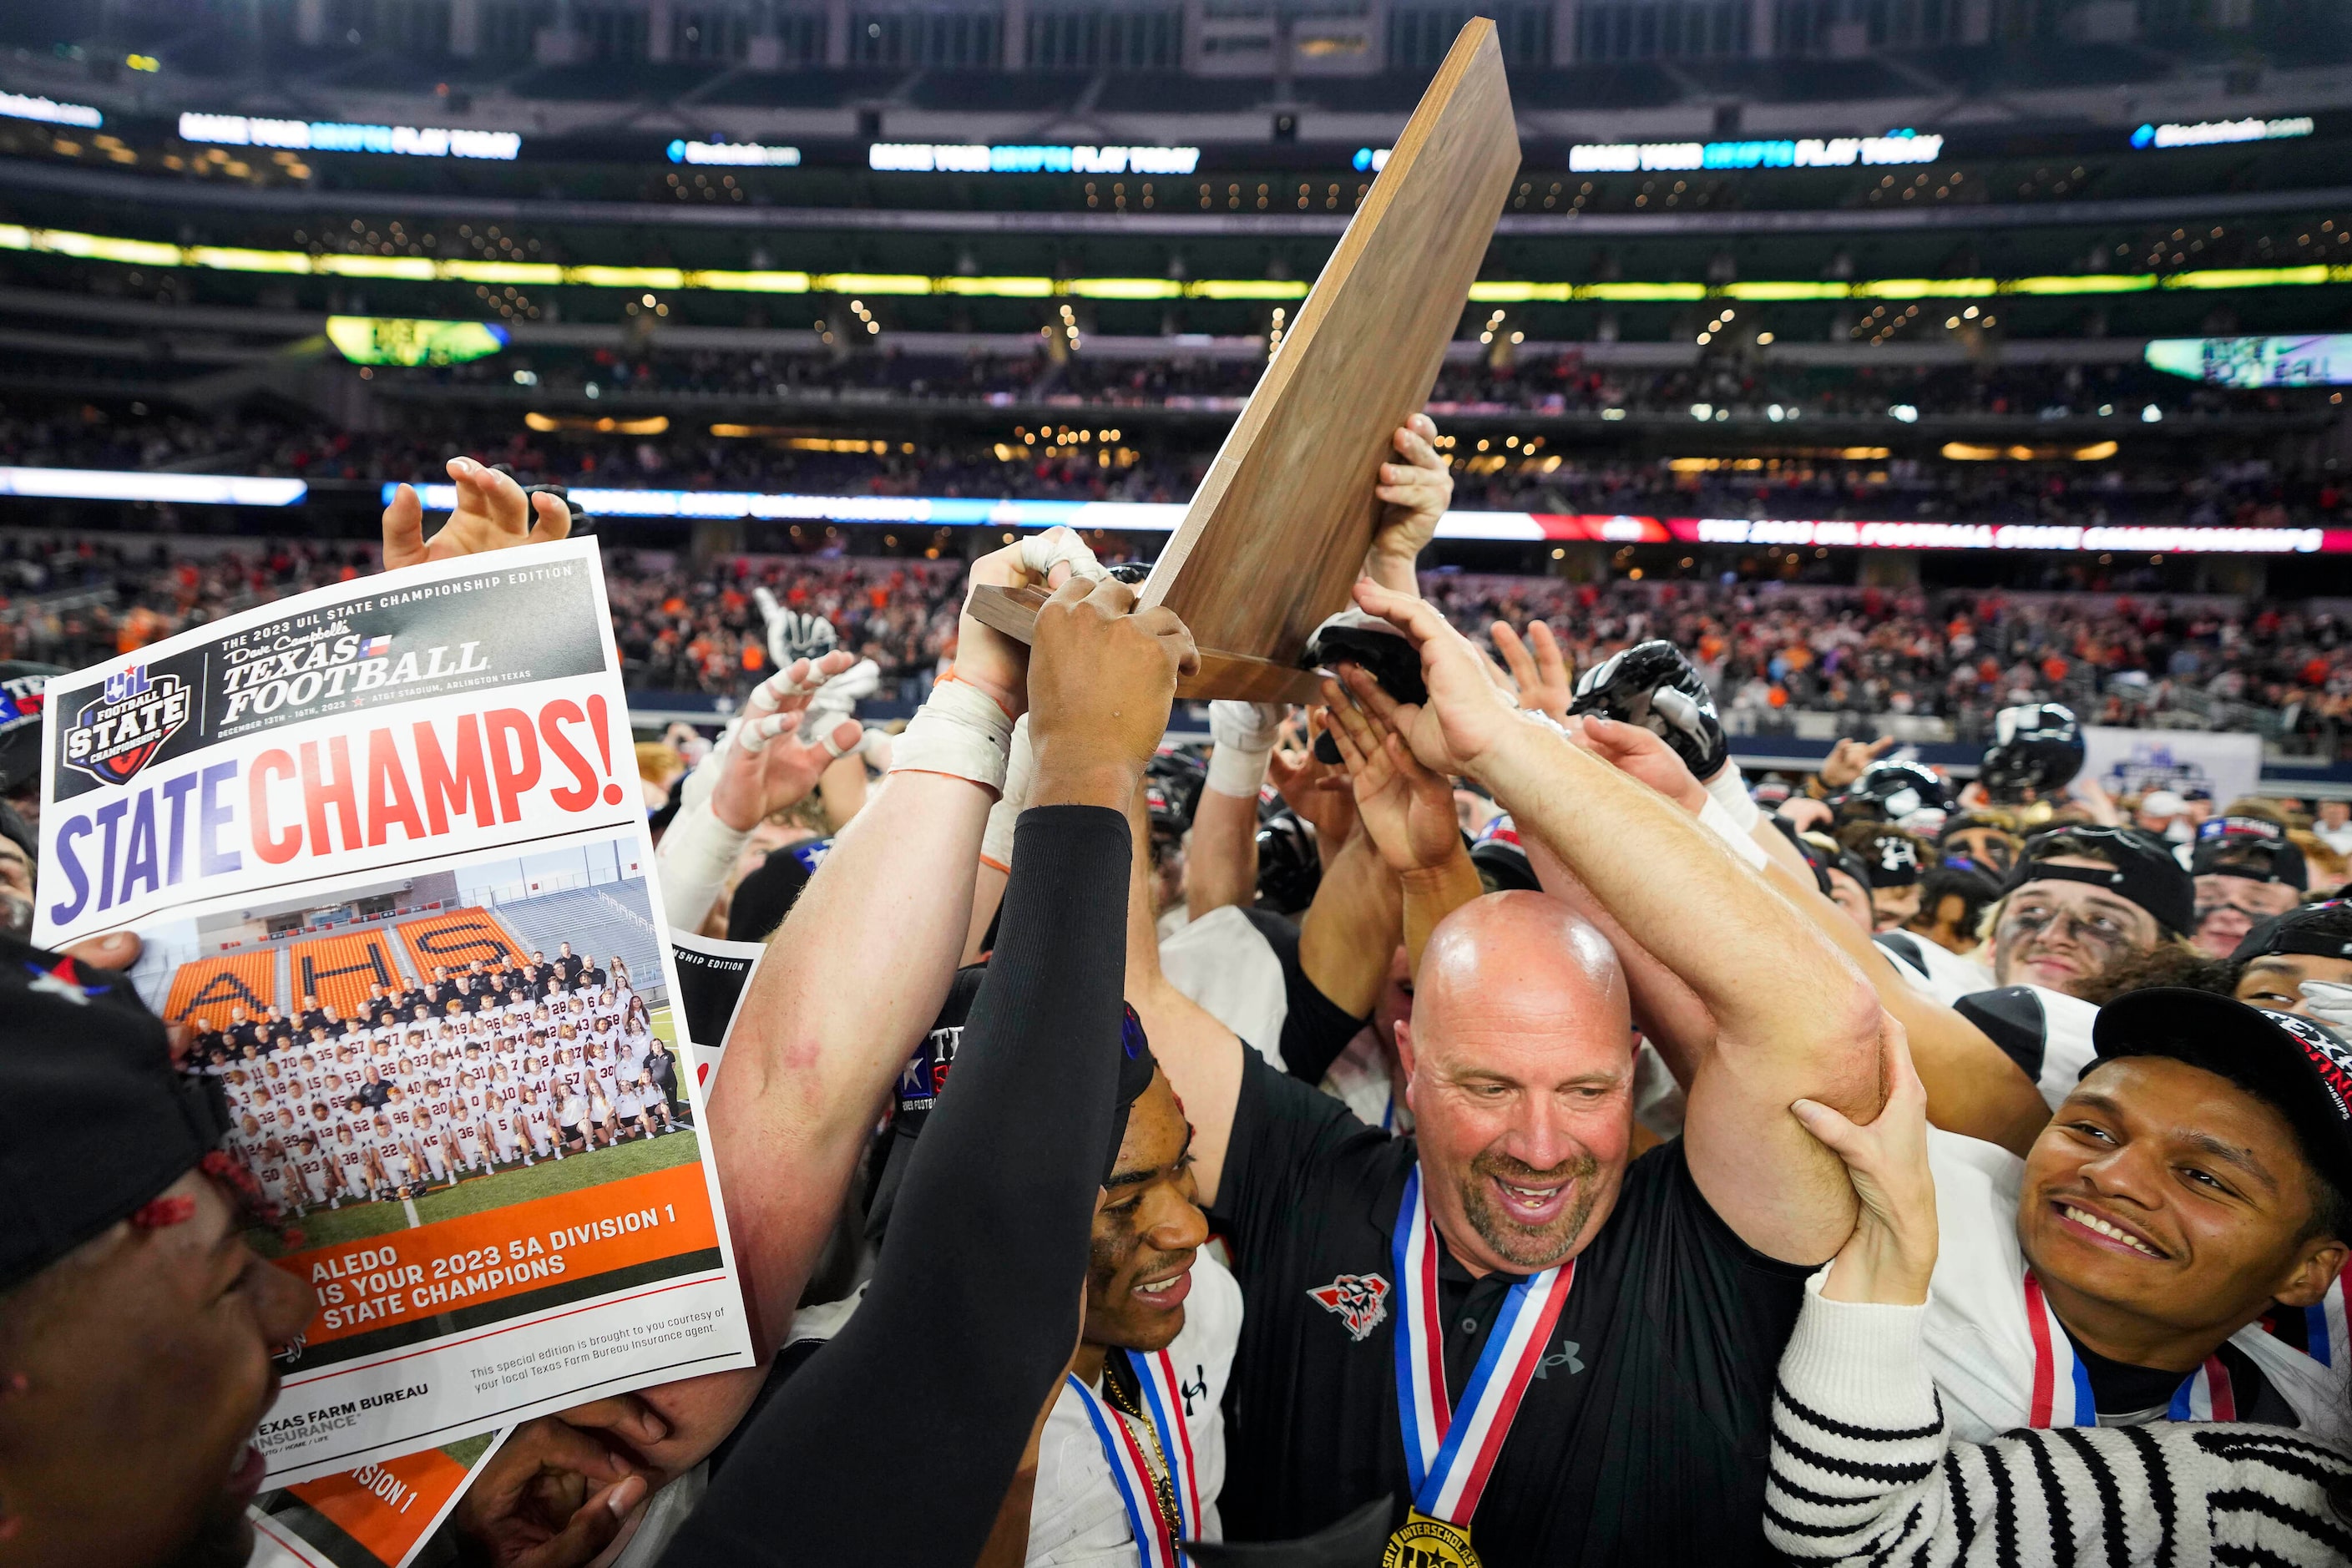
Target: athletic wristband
column 1728, row 788
column 1236, row 771
column 960, row 730
column 1717, row 821
column 1020, row 766
column 694, row 856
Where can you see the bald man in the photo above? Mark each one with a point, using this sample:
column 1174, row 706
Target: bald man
column 1602, row 1331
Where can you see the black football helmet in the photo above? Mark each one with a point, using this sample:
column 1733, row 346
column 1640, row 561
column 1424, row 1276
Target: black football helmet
column 1289, row 868
column 2037, row 748
column 1891, row 791
column 1173, row 781
column 1653, row 685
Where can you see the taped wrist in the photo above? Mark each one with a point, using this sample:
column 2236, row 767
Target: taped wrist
column 1728, row 788
column 695, row 856
column 959, row 731
column 1020, row 766
column 1717, row 821
column 1233, row 770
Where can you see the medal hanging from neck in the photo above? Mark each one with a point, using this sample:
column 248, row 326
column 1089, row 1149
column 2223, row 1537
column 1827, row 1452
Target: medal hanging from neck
column 2062, row 1383
column 1450, row 1453
column 1158, row 1540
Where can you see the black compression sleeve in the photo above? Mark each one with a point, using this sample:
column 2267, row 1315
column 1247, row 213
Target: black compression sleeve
column 898, row 1441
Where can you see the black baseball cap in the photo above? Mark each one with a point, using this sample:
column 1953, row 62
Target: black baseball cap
column 768, row 892
column 2141, row 869
column 2299, row 1067
column 2250, row 848
column 115, row 1124
column 2318, row 931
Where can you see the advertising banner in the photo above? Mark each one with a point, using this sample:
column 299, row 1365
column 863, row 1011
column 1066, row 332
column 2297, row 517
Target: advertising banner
column 2132, row 761
column 384, row 848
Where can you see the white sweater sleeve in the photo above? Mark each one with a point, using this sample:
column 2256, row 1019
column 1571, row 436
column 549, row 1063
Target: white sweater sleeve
column 1858, row 1437
column 1863, row 1471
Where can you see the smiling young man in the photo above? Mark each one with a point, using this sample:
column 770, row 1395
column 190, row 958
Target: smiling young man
column 136, row 1327
column 2193, row 1182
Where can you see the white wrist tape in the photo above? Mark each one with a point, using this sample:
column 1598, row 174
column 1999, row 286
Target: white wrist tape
column 959, row 731
column 696, row 854
column 1728, row 788
column 1717, row 821
column 996, row 840
column 1041, row 552
column 1244, row 733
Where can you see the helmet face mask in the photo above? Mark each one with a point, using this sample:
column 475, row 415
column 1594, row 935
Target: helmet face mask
column 1652, row 684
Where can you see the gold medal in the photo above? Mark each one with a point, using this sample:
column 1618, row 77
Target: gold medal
column 1425, row 1542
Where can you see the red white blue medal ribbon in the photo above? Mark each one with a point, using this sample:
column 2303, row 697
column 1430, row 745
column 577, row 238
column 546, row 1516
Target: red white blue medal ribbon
column 1130, row 1472
column 1449, row 1453
column 2062, row 1383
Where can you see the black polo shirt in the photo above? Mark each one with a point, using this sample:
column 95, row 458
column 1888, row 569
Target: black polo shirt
column 1642, row 1438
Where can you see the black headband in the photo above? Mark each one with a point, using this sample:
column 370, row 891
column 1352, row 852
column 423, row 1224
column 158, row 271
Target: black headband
column 2173, row 907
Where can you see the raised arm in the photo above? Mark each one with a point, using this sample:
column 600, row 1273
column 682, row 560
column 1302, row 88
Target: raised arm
column 859, row 969
column 1220, row 860
column 1795, row 1018
column 985, row 1262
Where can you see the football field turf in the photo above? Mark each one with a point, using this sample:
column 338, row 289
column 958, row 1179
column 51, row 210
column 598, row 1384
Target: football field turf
column 510, row 1184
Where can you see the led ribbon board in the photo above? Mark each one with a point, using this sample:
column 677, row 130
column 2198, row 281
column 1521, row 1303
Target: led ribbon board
column 2324, row 359
column 2217, row 133
column 735, row 154
column 1812, row 152
column 388, row 339
column 935, row 157
column 336, row 136
column 16, row 106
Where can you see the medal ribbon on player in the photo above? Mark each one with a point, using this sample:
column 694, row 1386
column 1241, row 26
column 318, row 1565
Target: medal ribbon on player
column 1449, row 1453
column 1162, row 1403
column 2062, row 1383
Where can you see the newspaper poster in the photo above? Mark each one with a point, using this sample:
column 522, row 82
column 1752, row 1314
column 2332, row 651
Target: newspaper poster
column 378, row 1516
column 713, row 976
column 385, row 850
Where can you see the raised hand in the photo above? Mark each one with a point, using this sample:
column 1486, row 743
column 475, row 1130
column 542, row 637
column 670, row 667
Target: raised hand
column 493, row 513
column 1849, row 759
column 1407, row 809
column 1101, row 679
column 1414, row 496
column 765, row 766
column 1536, row 666
column 997, row 664
column 1318, row 791
column 1467, row 714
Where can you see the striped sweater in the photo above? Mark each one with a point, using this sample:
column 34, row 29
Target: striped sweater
column 1863, row 1471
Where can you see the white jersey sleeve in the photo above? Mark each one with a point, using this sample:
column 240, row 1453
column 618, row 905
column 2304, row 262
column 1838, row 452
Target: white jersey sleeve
column 1222, row 962
column 1939, row 971
column 2046, row 1033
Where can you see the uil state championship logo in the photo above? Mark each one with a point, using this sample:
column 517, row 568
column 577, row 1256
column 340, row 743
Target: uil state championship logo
column 111, row 739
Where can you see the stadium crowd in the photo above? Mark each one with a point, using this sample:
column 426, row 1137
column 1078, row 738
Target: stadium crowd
column 1768, row 650
column 1840, row 1170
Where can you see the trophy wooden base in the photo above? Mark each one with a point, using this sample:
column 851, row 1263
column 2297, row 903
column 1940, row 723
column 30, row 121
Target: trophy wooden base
column 1013, row 612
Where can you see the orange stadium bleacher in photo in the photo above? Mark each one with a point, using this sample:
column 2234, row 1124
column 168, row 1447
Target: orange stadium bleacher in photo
column 207, row 988
column 337, row 970
column 457, row 938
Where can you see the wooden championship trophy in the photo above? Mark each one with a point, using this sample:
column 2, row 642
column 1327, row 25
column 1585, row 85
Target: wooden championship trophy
column 1278, row 531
